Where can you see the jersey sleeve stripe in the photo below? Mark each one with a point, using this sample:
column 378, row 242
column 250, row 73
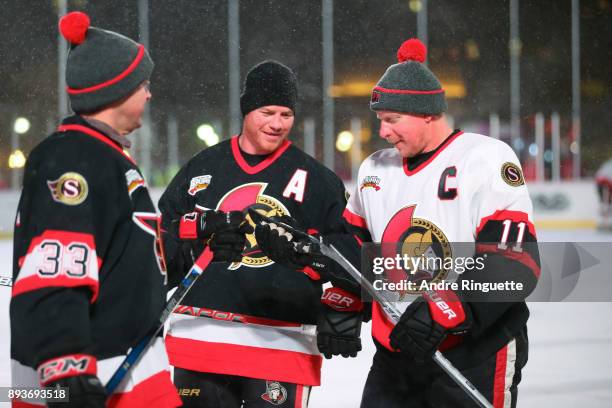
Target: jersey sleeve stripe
column 515, row 216
column 522, row 257
column 59, row 259
column 354, row 219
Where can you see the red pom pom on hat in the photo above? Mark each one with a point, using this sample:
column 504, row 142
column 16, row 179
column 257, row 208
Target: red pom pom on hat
column 73, row 27
column 412, row 50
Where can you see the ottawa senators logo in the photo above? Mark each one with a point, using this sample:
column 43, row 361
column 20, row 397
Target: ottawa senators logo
column 512, row 174
column 246, row 196
column 275, row 393
column 70, row 189
column 423, row 243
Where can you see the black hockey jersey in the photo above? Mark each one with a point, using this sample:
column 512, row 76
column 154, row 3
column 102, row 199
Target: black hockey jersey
column 89, row 278
column 278, row 301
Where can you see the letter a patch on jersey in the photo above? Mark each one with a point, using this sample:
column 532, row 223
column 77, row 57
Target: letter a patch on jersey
column 296, row 185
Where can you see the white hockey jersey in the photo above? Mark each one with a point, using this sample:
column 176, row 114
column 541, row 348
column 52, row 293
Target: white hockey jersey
column 470, row 190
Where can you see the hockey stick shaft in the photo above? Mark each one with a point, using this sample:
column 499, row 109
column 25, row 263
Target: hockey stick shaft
column 306, row 329
column 331, row 252
column 314, row 245
column 139, row 349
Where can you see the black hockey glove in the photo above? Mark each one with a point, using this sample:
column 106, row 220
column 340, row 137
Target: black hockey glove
column 426, row 323
column 227, row 246
column 85, row 391
column 278, row 242
column 339, row 324
column 224, row 232
column 216, row 222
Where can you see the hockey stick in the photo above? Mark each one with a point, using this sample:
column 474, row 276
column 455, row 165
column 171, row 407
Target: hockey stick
column 306, row 329
column 138, row 350
column 316, row 246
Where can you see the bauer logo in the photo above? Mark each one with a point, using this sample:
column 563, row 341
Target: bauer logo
column 199, row 183
column 70, row 189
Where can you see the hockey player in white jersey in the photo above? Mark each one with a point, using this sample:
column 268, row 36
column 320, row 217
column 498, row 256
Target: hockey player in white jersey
column 446, row 190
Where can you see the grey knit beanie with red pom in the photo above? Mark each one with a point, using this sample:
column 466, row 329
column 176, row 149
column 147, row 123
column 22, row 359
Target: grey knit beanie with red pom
column 103, row 67
column 408, row 86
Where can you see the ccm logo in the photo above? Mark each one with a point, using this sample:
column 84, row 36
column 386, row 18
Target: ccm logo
column 337, row 299
column 442, row 305
column 63, row 367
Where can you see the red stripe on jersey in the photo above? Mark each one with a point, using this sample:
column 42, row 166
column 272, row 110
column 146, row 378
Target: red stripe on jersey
column 354, row 219
column 97, row 135
column 34, row 283
column 500, row 215
column 23, row 404
column 246, row 167
column 66, row 366
column 522, row 257
column 499, row 381
column 244, row 361
column 421, row 166
column 299, row 395
column 156, row 391
column 65, row 243
column 126, row 72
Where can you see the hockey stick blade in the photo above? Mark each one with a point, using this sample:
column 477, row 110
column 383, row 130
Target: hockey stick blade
column 313, row 245
column 138, row 350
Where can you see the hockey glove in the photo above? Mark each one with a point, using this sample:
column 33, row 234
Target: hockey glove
column 225, row 232
column 339, row 324
column 278, row 243
column 85, row 391
column 427, row 321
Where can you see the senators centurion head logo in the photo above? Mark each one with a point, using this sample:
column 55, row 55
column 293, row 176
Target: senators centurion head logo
column 275, row 393
column 246, row 196
column 419, row 239
column 70, row 188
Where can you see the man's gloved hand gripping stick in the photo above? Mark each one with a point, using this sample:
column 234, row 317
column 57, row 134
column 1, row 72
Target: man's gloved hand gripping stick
column 306, row 243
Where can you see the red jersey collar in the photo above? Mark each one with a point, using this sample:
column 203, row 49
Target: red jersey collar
column 261, row 166
column 440, row 148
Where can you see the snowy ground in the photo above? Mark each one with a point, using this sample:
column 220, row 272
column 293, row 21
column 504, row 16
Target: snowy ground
column 570, row 363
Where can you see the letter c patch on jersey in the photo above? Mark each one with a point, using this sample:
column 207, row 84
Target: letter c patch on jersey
column 512, row 174
column 70, row 189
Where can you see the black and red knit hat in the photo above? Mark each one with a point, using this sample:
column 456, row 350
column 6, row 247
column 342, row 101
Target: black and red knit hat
column 103, row 67
column 409, row 86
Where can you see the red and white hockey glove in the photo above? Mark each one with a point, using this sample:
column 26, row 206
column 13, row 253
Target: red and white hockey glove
column 339, row 324
column 426, row 322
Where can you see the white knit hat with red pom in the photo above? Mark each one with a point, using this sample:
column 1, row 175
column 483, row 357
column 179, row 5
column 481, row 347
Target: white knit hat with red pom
column 103, row 67
column 409, row 86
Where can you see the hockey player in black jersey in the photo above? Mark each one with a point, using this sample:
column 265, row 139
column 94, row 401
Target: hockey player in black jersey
column 89, row 275
column 241, row 337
